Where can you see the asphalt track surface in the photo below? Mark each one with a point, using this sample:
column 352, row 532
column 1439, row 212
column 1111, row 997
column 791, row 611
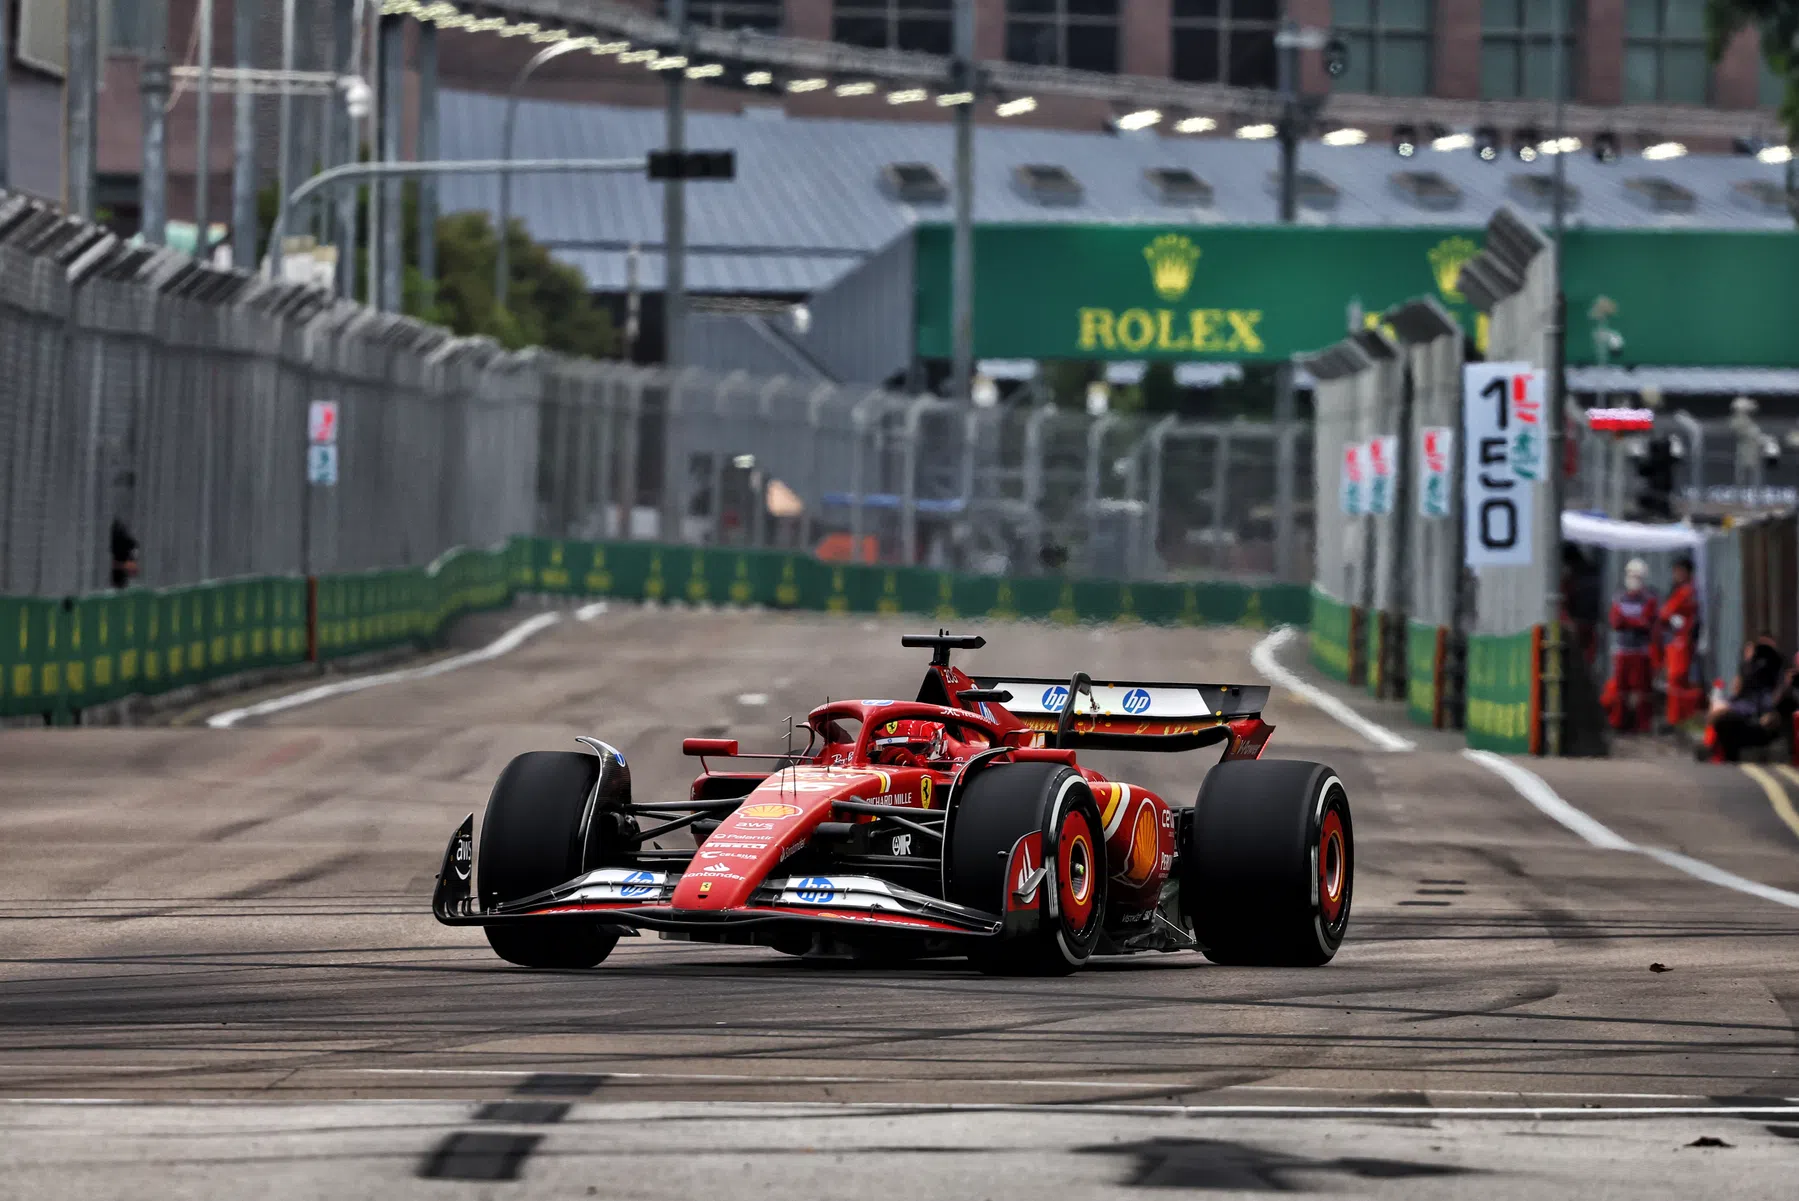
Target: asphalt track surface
column 219, row 975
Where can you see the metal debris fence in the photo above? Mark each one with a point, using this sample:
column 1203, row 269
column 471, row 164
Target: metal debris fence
column 139, row 386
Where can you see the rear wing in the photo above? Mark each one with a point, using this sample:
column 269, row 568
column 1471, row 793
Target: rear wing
column 1132, row 714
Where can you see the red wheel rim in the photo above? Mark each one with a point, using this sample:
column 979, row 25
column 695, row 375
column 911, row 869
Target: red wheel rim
column 1333, row 867
column 1074, row 870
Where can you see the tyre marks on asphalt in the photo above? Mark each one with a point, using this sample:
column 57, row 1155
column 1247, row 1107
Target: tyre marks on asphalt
column 501, row 1155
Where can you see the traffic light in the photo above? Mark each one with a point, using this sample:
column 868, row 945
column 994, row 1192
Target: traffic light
column 1336, row 57
column 1654, row 500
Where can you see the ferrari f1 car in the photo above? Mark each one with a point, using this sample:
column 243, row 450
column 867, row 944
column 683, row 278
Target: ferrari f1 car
column 959, row 823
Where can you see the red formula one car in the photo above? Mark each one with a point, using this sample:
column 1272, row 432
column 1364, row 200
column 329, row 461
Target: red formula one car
column 960, row 823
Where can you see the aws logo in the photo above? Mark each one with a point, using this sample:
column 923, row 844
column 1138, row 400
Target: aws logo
column 1171, row 259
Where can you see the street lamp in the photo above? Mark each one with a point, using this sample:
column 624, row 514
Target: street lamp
column 502, row 269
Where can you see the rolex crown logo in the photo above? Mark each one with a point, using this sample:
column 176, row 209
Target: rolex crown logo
column 1446, row 260
column 1171, row 258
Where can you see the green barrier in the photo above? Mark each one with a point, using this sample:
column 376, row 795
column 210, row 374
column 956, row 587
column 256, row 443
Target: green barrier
column 1330, row 633
column 59, row 656
column 1423, row 643
column 1502, row 680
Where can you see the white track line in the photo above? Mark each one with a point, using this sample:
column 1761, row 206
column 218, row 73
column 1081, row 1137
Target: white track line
column 1262, row 658
column 509, row 641
column 589, row 612
column 1779, row 1112
column 1537, row 791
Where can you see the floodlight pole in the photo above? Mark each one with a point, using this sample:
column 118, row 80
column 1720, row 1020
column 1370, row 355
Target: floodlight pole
column 674, row 207
column 1288, row 43
column 962, row 236
column 356, row 173
column 502, row 266
column 1556, row 425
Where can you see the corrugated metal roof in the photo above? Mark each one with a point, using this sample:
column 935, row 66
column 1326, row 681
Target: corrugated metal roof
column 808, row 203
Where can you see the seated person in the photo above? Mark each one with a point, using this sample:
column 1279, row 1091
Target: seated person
column 1759, row 709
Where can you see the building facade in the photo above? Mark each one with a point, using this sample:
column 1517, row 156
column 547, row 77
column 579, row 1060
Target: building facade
column 1630, row 64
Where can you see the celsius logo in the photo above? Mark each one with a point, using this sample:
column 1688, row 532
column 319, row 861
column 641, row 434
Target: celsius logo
column 817, row 890
column 1136, row 701
column 638, row 884
column 1055, row 698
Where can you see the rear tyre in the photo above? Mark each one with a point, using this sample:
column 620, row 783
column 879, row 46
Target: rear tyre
column 1268, row 867
column 532, row 840
column 1050, row 930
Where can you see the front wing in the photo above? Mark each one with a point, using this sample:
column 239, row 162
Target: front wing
column 640, row 898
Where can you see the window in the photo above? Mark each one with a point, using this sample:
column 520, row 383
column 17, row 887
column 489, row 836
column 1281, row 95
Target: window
column 1517, row 48
column 922, row 25
column 763, row 15
column 1664, row 52
column 1538, row 191
column 1310, row 189
column 1661, row 195
column 915, row 183
column 1225, row 41
column 1063, row 33
column 1177, row 185
column 1772, row 89
column 125, row 25
column 1389, row 45
column 1426, row 189
column 1047, row 183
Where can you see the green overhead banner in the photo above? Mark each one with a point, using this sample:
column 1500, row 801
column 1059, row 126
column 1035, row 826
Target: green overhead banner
column 1240, row 293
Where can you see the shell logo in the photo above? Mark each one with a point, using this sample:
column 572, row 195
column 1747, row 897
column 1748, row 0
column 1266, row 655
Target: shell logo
column 770, row 810
column 1145, row 849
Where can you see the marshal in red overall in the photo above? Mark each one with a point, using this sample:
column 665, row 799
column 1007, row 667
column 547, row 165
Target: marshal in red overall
column 960, row 823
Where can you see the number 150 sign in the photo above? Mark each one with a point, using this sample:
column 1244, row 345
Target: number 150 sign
column 1503, row 436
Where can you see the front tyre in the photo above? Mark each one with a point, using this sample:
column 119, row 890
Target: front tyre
column 1026, row 842
column 1268, row 865
column 532, row 840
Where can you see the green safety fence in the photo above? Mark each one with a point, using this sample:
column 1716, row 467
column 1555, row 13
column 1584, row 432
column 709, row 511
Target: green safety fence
column 1423, row 643
column 644, row 571
column 60, row 656
column 1502, row 691
column 1330, row 633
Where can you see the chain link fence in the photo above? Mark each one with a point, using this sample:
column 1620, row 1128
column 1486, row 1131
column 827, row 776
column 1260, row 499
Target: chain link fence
column 145, row 394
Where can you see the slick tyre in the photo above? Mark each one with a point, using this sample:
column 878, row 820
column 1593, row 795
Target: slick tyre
column 1004, row 812
column 1268, row 866
column 531, row 840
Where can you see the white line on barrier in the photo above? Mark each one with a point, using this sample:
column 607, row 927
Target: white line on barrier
column 509, row 641
column 1537, row 791
column 1262, row 658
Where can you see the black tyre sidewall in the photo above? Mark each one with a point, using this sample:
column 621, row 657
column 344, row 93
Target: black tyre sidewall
column 999, row 806
column 1249, row 872
column 531, row 841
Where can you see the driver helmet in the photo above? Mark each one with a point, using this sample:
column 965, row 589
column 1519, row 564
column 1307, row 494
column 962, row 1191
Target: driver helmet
column 910, row 743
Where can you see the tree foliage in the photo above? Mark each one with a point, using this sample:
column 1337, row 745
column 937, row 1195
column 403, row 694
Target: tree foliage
column 1777, row 23
column 547, row 303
